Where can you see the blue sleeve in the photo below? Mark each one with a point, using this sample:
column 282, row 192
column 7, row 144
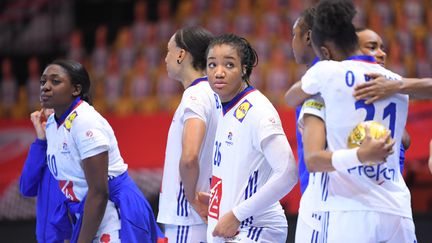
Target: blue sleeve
column 33, row 169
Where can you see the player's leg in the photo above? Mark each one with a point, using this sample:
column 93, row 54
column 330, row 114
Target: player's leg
column 110, row 226
column 186, row 233
column 398, row 229
column 308, row 230
column 350, row 226
column 260, row 234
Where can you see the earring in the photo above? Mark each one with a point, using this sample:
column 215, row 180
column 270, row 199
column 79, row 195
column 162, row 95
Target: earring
column 178, row 61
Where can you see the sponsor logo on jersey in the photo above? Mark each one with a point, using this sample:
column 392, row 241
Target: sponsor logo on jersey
column 69, row 120
column 215, row 197
column 379, row 173
column 242, row 110
column 67, row 189
column 314, row 104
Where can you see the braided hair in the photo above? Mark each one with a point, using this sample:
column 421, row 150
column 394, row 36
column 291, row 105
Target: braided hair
column 248, row 55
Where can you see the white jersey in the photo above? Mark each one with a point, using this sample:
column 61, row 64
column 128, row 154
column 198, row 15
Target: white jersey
column 310, row 202
column 198, row 101
column 79, row 134
column 82, row 134
column 378, row 188
column 239, row 166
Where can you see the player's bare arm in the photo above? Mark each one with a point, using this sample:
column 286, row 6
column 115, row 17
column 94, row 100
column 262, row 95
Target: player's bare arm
column 319, row 160
column 193, row 135
column 381, row 87
column 96, row 171
column 295, row 95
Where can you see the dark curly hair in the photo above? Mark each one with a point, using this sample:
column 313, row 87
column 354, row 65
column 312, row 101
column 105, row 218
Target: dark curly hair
column 333, row 22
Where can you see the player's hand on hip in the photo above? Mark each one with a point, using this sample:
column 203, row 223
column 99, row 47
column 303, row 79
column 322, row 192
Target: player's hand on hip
column 201, row 204
column 227, row 226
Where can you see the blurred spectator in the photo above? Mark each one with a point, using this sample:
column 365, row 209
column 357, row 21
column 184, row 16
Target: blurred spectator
column 413, row 12
column 216, row 18
column 100, row 52
column 165, row 26
column 360, row 17
column 152, row 48
column 188, row 13
column 423, row 65
column 9, row 87
column 201, row 5
column 285, row 40
column 33, row 84
column 382, row 10
column 271, row 17
column 428, row 28
column 113, row 81
column 244, row 19
column 125, row 49
column 141, row 86
column 167, row 90
column 395, row 60
column 404, row 35
column 140, row 23
column 294, row 9
column 76, row 49
column 276, row 77
column 256, row 78
column 261, row 41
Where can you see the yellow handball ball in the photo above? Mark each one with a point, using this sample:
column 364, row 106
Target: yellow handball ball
column 376, row 130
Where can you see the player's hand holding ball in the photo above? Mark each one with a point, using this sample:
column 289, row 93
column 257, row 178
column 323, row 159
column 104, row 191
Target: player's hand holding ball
column 374, row 142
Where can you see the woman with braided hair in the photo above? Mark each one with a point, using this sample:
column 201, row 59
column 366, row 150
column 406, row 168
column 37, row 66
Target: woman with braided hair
column 253, row 165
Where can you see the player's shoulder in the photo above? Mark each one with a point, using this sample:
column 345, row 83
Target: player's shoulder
column 84, row 115
column 323, row 64
column 258, row 104
column 200, row 92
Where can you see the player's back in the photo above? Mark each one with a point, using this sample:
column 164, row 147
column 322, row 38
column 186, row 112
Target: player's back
column 378, row 187
column 199, row 99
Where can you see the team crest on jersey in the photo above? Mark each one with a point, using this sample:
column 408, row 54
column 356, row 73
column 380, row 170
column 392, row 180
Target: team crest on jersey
column 229, row 142
column 242, row 110
column 69, row 120
column 65, row 148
